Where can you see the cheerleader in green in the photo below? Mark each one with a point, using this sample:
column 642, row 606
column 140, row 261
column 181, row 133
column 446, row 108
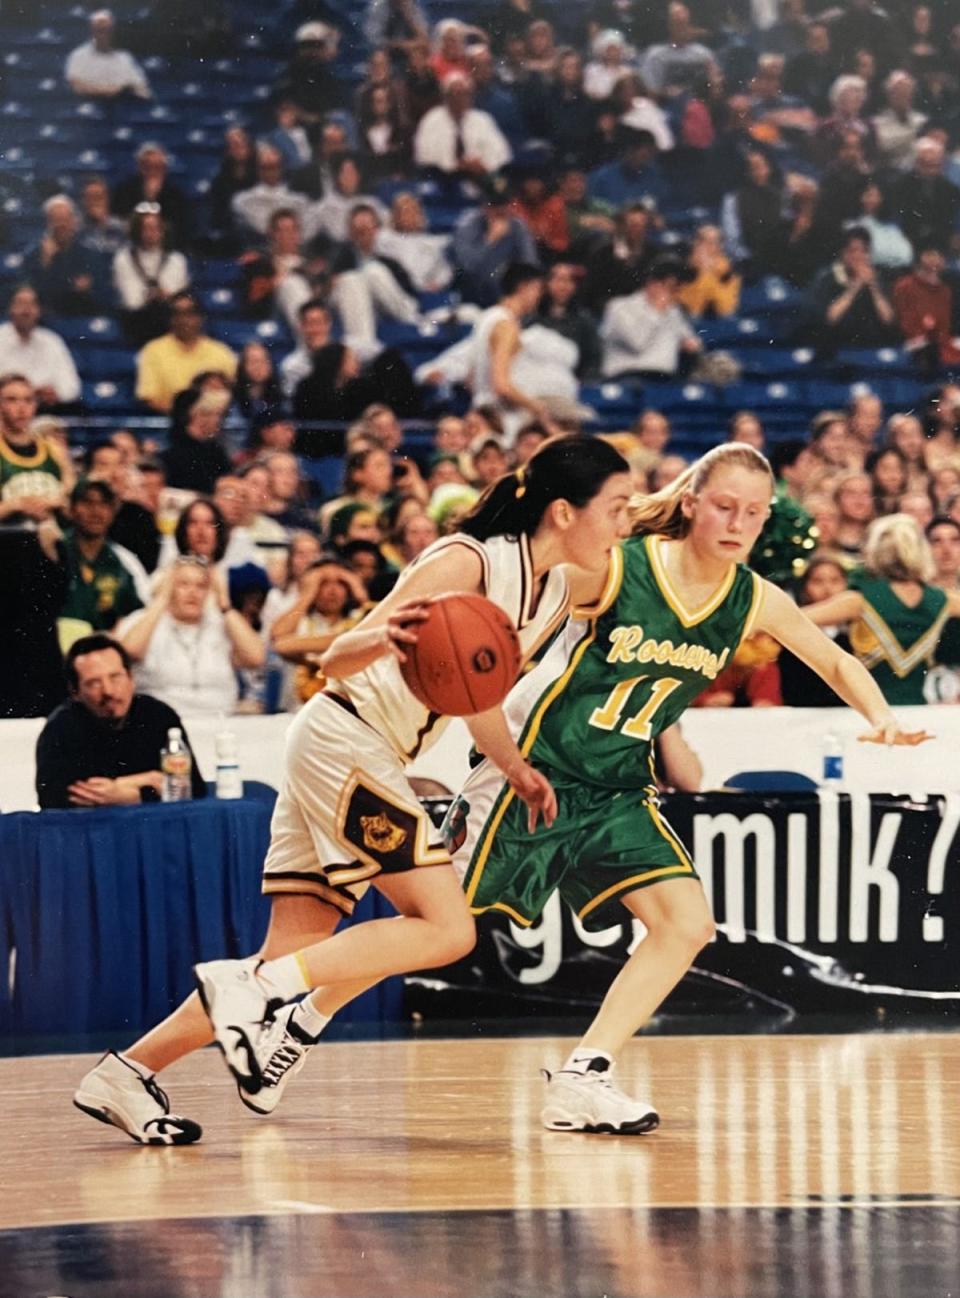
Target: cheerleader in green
column 896, row 616
column 647, row 636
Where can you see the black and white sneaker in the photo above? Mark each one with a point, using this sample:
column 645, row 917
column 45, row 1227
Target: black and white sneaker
column 240, row 1013
column 282, row 1052
column 589, row 1101
column 117, row 1093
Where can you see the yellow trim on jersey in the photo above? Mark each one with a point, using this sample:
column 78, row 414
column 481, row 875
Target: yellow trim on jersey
column 672, row 597
column 664, row 829
column 422, row 854
column 678, row 871
column 902, row 661
column 517, row 918
column 611, row 589
column 42, row 453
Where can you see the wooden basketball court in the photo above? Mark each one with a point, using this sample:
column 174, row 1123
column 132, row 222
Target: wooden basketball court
column 788, row 1165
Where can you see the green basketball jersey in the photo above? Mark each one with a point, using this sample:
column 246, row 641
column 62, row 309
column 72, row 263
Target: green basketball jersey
column 615, row 678
column 897, row 643
column 37, row 473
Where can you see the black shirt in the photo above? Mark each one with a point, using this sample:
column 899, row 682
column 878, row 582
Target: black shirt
column 75, row 745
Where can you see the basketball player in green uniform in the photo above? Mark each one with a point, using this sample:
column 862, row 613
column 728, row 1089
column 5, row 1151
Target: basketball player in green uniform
column 896, row 616
column 677, row 601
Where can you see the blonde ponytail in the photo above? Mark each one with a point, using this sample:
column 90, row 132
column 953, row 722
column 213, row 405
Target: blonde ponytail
column 661, row 512
column 895, row 549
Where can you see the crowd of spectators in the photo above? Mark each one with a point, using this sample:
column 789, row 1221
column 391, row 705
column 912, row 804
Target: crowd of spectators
column 564, row 151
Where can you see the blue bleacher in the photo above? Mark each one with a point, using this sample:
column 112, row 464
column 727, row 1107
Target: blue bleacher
column 47, row 135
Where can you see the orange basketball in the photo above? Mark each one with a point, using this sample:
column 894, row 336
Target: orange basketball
column 466, row 658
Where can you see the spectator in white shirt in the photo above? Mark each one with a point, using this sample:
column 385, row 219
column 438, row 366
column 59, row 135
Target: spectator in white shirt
column 457, row 138
column 898, row 127
column 188, row 646
column 146, row 274
column 38, row 354
column 647, row 332
column 330, row 217
column 609, row 63
column 254, row 207
column 422, row 255
column 96, row 69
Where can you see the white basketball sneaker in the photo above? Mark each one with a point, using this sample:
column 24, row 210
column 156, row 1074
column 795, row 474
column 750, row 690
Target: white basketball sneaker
column 117, row 1093
column 589, row 1101
column 239, row 1011
column 281, row 1052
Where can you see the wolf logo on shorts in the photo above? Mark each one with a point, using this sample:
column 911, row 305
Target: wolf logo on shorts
column 380, row 834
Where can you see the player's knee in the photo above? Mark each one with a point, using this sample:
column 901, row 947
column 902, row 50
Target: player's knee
column 696, row 930
column 458, row 939
column 693, row 927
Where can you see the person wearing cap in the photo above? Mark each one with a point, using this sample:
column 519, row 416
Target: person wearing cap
column 101, row 587
column 307, row 82
column 486, row 241
column 168, row 364
column 457, row 139
column 39, row 354
column 96, row 70
column 490, row 460
column 634, row 175
column 646, row 333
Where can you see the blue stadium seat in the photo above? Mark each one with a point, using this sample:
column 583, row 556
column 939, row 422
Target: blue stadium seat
column 107, row 396
column 880, row 361
column 100, row 330
column 761, row 396
column 105, row 363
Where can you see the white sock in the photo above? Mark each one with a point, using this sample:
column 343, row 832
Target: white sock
column 142, row 1069
column 581, row 1059
column 284, row 978
column 309, row 1019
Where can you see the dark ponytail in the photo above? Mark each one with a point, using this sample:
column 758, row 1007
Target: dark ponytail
column 570, row 468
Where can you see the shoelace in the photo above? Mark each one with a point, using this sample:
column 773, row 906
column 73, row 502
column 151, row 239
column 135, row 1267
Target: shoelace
column 152, row 1088
column 283, row 1058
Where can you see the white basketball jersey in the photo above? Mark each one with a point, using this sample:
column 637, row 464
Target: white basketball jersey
column 379, row 694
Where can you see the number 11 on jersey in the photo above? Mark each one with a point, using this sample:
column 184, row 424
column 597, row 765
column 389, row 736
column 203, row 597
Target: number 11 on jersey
column 638, row 726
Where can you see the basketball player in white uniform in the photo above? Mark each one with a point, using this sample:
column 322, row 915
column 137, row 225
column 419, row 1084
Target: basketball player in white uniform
column 346, row 815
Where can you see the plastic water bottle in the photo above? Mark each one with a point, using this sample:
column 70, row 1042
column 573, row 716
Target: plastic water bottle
column 229, row 783
column 832, row 772
column 176, row 765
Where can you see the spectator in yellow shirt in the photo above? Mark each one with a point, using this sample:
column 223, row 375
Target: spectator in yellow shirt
column 169, row 363
column 714, row 286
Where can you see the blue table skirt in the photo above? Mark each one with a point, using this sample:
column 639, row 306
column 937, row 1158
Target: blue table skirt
column 105, row 911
